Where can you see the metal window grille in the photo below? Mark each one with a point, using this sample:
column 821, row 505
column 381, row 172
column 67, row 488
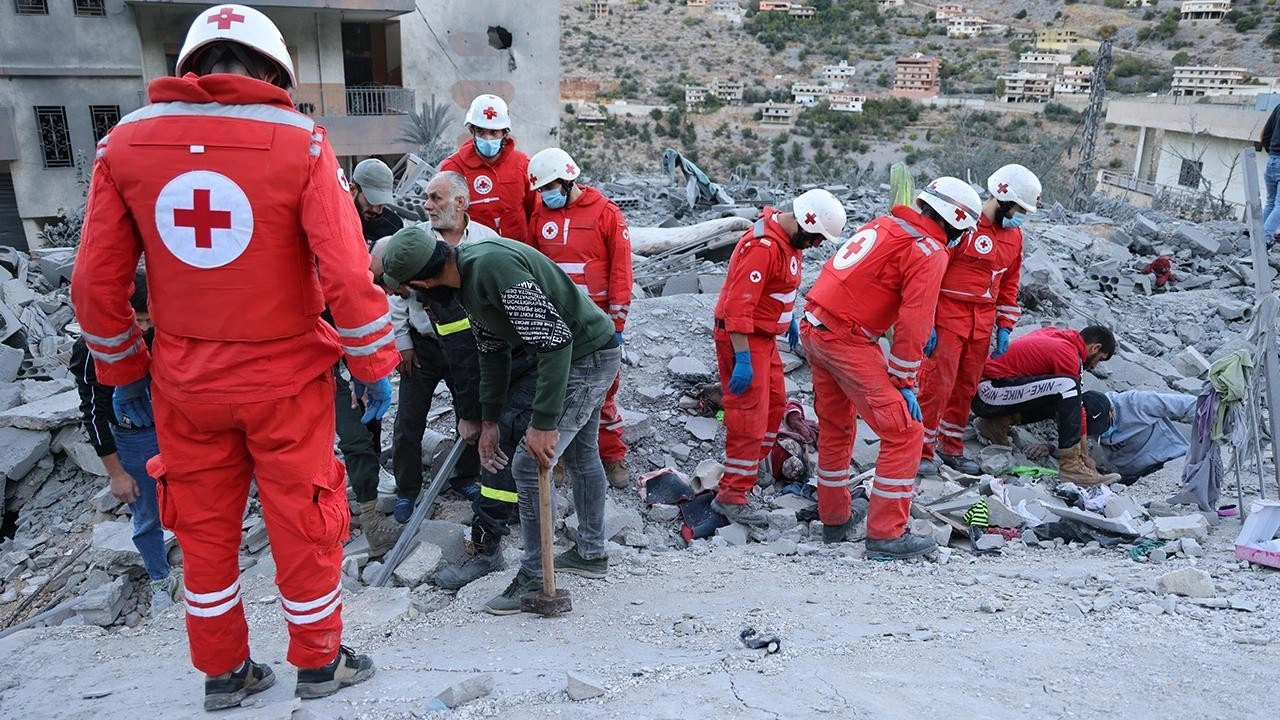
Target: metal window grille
column 1189, row 174
column 31, row 7
column 104, row 117
column 55, row 137
column 91, row 8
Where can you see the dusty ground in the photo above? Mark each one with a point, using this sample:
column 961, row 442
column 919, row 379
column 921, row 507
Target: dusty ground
column 859, row 640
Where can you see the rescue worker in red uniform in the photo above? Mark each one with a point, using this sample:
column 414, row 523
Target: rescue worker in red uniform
column 497, row 172
column 583, row 232
column 886, row 275
column 756, row 305
column 244, row 217
column 979, row 290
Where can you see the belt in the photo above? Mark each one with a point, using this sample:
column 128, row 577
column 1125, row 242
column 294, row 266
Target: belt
column 613, row 343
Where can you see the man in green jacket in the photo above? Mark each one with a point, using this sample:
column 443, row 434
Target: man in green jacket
column 520, row 301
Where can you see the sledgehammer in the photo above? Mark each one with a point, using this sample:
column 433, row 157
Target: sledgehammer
column 549, row 601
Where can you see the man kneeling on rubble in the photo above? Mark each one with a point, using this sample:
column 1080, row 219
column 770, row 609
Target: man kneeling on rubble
column 519, row 300
column 1135, row 430
column 1039, row 378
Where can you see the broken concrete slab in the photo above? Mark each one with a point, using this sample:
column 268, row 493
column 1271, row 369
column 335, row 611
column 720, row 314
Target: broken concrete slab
column 1190, row 362
column 635, row 426
column 419, row 565
column 1188, row 582
column 1120, row 526
column 734, row 533
column 450, row 537
column 49, row 413
column 376, row 606
column 582, row 687
column 101, row 606
column 20, row 450
column 703, row 428
column 1194, row 526
column 708, row 474
column 687, row 368
column 1198, row 241
column 10, row 363
column 464, row 691
column 82, row 454
column 1235, row 310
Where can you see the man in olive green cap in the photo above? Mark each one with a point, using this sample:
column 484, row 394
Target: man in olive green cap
column 520, row 301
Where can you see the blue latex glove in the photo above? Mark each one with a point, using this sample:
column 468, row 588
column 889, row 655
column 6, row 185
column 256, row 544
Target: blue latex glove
column 931, row 343
column 1002, row 342
column 913, row 405
column 377, row 399
column 741, row 378
column 619, row 336
column 793, row 334
column 132, row 404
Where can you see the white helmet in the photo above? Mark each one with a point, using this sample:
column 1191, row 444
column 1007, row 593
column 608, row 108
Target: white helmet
column 489, row 112
column 1014, row 183
column 550, row 165
column 954, row 200
column 818, row 211
column 238, row 24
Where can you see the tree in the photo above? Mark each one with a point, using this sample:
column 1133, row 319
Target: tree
column 1000, row 87
column 426, row 129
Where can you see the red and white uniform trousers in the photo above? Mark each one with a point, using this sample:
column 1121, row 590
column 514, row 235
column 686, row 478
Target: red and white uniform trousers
column 751, row 419
column 949, row 381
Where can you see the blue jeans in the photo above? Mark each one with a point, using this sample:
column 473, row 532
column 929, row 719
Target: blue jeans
column 589, row 380
column 136, row 447
column 1271, row 213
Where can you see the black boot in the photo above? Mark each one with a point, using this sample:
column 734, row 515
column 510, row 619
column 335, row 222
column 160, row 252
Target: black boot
column 346, row 669
column 844, row 531
column 485, row 558
column 230, row 689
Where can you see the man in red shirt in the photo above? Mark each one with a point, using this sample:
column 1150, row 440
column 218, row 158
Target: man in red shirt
column 497, row 172
column 979, row 290
column 584, row 233
column 886, row 275
column 244, row 217
column 755, row 306
column 1038, row 379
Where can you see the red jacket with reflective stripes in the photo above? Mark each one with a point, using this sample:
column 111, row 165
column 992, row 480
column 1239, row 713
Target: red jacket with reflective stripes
column 248, row 231
column 886, row 275
column 500, row 194
column 589, row 240
column 1047, row 351
column 759, row 290
column 980, row 288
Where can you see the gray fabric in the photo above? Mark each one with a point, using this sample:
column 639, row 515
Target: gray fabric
column 1202, row 475
column 1145, row 433
column 589, row 380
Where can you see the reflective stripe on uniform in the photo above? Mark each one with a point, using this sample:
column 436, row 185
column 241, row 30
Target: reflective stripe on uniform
column 225, row 598
column 362, row 330
column 262, row 113
column 305, row 613
column 453, row 327
column 371, row 348
column 109, row 341
column 505, row 496
column 107, row 357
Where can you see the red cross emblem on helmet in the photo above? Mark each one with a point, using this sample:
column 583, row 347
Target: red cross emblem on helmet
column 569, row 168
column 1002, row 188
column 533, row 179
column 960, row 214
column 490, row 113
column 224, row 18
column 810, row 219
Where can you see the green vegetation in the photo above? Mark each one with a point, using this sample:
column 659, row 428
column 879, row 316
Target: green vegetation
column 1135, row 75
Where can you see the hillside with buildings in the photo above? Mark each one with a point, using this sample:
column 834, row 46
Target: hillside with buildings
column 807, row 90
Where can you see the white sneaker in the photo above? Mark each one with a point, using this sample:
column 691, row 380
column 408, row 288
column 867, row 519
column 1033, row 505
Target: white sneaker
column 163, row 592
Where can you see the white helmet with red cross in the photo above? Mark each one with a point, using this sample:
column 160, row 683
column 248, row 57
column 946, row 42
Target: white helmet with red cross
column 955, row 201
column 818, row 211
column 239, row 24
column 489, row 112
column 1014, row 183
column 550, row 165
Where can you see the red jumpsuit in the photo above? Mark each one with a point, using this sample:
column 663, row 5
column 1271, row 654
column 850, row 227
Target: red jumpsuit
column 590, row 241
column 500, row 194
column 756, row 300
column 979, row 290
column 244, row 217
column 886, row 275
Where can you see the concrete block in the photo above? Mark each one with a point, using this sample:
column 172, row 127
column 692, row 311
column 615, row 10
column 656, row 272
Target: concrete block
column 85, row 457
column 1197, row 240
column 618, row 520
column 734, row 534
column 581, row 687
column 783, row 519
column 33, row 390
column 104, row 501
column 702, row 428
column 1181, row 526
column 255, row 536
column 10, row 362
column 49, row 413
column 687, row 368
column 17, row 294
column 710, row 284
column 1146, row 227
column 102, row 605
column 790, row 361
column 682, row 284
column 464, row 691
column 1190, row 362
column 989, row 541
column 20, row 450
column 635, row 426
column 1188, row 582
column 10, row 396
column 414, row 570
column 450, row 537
column 708, row 474
column 1235, row 310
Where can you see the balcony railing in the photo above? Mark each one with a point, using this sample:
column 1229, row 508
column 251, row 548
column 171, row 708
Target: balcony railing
column 379, row 101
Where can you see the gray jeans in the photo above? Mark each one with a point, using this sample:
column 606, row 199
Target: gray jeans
column 579, row 426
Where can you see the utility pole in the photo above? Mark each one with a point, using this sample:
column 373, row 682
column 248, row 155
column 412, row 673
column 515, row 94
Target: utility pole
column 1092, row 119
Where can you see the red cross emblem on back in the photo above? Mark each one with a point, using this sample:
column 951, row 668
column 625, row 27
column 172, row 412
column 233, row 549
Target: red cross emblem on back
column 1002, row 188
column 810, row 219
column 224, row 18
column 202, row 219
column 490, row 113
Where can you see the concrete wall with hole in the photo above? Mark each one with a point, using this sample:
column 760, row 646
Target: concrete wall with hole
column 457, row 49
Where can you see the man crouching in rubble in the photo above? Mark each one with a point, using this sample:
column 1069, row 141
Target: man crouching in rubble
column 519, row 300
column 755, row 306
column 1038, row 379
column 1135, row 429
column 886, row 275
